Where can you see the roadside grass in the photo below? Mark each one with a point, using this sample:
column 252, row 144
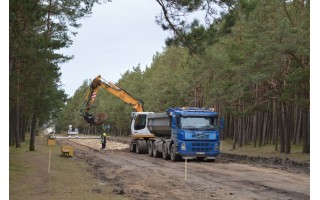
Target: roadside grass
column 69, row 177
column 267, row 151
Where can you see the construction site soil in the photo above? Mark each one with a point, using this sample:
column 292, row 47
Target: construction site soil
column 140, row 176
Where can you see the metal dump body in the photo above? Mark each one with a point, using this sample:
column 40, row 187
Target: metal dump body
column 159, row 124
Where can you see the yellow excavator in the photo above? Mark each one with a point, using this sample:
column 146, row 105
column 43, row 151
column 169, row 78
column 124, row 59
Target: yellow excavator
column 139, row 131
column 95, row 86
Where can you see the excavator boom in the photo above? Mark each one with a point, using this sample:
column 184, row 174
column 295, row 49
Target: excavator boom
column 95, row 86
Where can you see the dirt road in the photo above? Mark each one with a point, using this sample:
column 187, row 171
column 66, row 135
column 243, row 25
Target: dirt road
column 140, row 176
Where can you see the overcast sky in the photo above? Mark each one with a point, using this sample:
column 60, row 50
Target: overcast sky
column 118, row 36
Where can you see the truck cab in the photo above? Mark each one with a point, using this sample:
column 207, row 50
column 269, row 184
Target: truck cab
column 195, row 133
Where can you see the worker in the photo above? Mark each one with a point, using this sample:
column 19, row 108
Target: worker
column 103, row 140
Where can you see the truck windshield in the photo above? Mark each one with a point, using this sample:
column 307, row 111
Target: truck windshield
column 199, row 123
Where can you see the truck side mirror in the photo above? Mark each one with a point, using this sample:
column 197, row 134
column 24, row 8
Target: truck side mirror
column 221, row 123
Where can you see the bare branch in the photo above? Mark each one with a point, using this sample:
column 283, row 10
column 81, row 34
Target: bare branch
column 285, row 9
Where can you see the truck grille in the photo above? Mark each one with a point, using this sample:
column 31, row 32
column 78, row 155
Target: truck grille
column 202, row 147
column 200, row 136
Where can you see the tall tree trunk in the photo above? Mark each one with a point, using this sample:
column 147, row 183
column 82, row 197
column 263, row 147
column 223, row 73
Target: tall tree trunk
column 258, row 133
column 255, row 130
column 264, row 128
column 230, row 131
column 247, row 130
column 11, row 127
column 260, row 129
column 17, row 126
column 21, row 125
column 274, row 123
column 24, row 129
column 285, row 123
column 240, row 131
column 281, row 128
column 234, row 136
column 33, row 134
column 277, row 135
column 306, row 131
column 299, row 124
column 22, row 120
column 295, row 125
column 34, row 121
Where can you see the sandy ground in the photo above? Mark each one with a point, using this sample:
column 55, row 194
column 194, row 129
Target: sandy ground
column 143, row 177
column 95, row 144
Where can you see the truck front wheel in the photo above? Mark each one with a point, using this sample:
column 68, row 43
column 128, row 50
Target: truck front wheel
column 173, row 150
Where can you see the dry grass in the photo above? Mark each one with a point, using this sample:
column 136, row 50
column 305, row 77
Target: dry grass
column 69, row 178
column 265, row 151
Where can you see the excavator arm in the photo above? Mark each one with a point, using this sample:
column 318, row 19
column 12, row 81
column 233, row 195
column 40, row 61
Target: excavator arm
column 95, row 86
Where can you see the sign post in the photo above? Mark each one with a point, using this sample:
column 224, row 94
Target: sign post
column 185, row 169
column 51, row 142
column 49, row 160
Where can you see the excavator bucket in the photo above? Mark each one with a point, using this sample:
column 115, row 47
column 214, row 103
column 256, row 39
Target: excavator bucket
column 100, row 118
column 89, row 118
column 96, row 120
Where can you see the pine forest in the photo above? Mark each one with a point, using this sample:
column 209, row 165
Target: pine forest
column 250, row 61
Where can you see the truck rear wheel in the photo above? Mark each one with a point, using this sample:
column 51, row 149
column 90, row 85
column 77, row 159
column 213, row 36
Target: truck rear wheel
column 132, row 147
column 165, row 152
column 144, row 147
column 138, row 147
column 155, row 150
column 150, row 146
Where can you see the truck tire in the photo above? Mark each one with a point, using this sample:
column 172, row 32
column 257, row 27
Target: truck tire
column 150, row 146
column 173, row 155
column 155, row 150
column 132, row 147
column 144, row 147
column 165, row 152
column 139, row 147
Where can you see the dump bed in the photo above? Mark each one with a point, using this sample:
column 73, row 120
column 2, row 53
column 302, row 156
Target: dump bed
column 159, row 124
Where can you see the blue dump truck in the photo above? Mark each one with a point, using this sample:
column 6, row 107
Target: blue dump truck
column 187, row 133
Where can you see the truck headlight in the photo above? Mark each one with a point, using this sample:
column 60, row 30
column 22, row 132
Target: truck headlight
column 216, row 146
column 183, row 146
column 212, row 136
